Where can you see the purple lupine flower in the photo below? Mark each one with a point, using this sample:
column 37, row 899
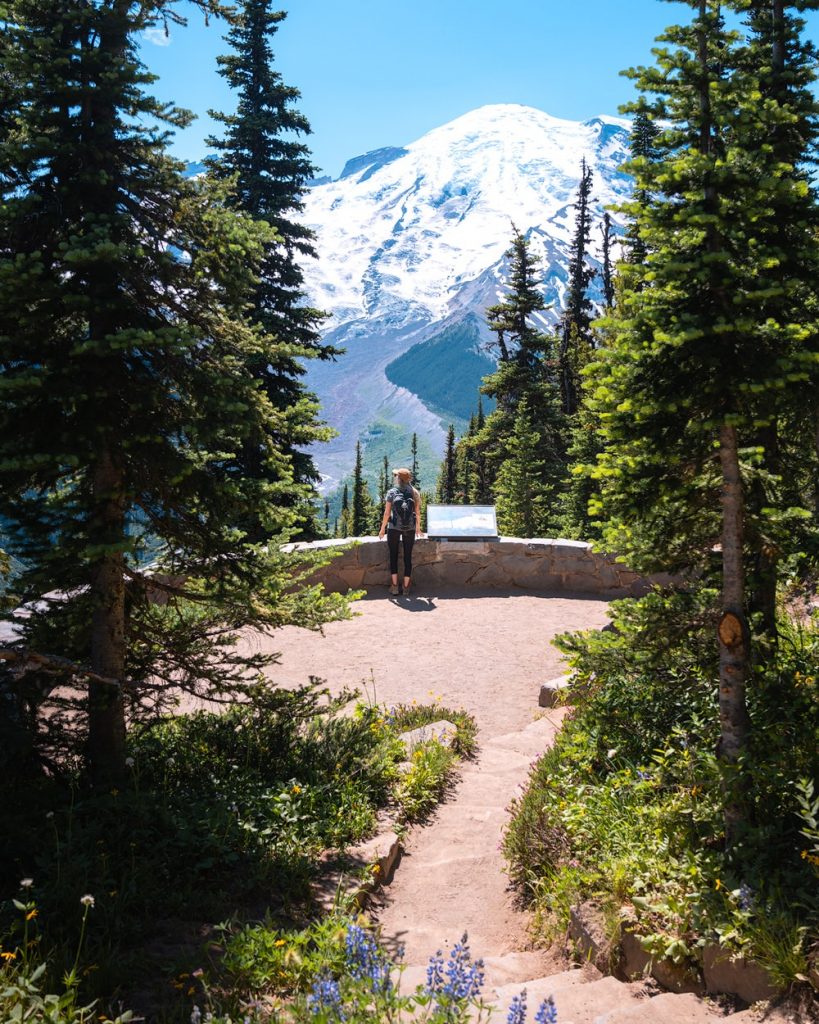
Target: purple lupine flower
column 464, row 978
column 517, row 1010
column 746, row 897
column 326, row 995
column 547, row 1012
column 435, row 973
column 365, row 961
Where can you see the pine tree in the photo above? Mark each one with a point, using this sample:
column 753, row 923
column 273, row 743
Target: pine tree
column 447, row 487
column 361, row 506
column 261, row 150
column 481, row 492
column 416, row 480
column 343, row 525
column 575, row 329
column 521, row 496
column 527, row 368
column 608, row 279
column 643, row 145
column 123, row 367
column 694, row 365
column 385, row 481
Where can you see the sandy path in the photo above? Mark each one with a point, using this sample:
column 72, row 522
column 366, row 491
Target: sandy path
column 486, row 652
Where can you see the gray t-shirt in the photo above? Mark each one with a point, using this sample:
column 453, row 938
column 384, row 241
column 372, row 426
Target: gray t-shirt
column 407, row 492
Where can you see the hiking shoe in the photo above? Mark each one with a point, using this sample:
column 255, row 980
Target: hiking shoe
column 394, row 588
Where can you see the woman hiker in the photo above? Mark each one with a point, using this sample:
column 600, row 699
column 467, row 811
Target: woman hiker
column 402, row 520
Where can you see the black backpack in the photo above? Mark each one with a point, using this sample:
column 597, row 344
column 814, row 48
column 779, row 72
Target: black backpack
column 403, row 511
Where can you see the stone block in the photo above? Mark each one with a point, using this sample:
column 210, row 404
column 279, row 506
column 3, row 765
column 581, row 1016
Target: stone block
column 734, row 975
column 677, row 978
column 634, row 961
column 552, row 692
column 381, row 855
column 493, row 575
column 442, row 731
column 588, row 934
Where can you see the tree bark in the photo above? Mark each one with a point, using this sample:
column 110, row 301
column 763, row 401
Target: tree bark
column 106, row 707
column 734, row 638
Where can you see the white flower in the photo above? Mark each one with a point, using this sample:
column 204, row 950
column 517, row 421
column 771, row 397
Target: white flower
column 612, row 752
column 50, row 815
column 196, row 1015
column 87, row 900
column 129, row 762
column 26, row 883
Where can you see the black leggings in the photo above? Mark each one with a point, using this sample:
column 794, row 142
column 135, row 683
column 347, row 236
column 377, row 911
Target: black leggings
column 393, row 536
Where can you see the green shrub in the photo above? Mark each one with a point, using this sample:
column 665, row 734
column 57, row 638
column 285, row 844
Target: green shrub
column 404, row 717
column 626, row 808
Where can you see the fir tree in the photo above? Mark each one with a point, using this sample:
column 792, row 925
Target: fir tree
column 521, row 495
column 343, row 524
column 361, row 506
column 575, row 329
column 695, row 365
column 448, row 477
column 126, row 395
column 608, row 280
column 527, row 368
column 481, row 492
column 643, row 144
column 416, row 480
column 261, row 151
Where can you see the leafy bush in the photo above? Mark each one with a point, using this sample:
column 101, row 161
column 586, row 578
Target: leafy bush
column 404, row 717
column 425, row 781
column 626, row 808
column 23, row 971
column 337, row 970
column 219, row 813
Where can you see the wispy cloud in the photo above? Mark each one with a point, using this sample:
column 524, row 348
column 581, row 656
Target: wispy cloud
column 157, row 36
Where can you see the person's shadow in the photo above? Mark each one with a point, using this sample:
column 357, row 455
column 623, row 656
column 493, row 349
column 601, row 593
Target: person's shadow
column 411, row 603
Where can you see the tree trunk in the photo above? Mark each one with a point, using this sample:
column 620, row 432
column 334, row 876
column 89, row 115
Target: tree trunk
column 106, row 708
column 734, row 640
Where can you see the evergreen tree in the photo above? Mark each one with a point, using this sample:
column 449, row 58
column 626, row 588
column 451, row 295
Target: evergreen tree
column 261, row 151
column 575, row 330
column 386, row 480
column 126, row 395
column 361, row 506
column 527, row 368
column 608, row 279
column 447, row 487
column 343, row 525
column 481, row 491
column 521, row 496
column 695, row 364
column 643, row 144
column 416, row 480
column 464, row 463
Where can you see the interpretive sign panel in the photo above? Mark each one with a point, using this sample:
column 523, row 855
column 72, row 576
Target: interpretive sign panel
column 461, row 521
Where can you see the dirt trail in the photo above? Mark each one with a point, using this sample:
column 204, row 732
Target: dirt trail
column 486, row 652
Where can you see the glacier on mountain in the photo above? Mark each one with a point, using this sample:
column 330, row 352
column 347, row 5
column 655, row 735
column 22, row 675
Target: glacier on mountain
column 412, row 242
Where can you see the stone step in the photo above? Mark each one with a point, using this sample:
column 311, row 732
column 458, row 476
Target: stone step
column 605, row 1001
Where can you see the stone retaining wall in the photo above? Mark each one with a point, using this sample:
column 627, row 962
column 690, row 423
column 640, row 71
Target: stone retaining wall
column 507, row 564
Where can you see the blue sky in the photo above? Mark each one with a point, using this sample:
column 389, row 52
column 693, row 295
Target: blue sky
column 383, row 72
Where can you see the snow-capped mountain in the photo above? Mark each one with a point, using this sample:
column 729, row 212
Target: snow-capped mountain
column 412, row 243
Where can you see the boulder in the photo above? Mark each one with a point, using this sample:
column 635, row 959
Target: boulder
column 442, row 731
column 552, row 691
column 588, row 934
column 731, row 973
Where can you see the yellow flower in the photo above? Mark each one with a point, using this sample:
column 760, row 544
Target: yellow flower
column 280, row 942
column 718, row 883
column 376, row 868
column 296, row 790
column 7, row 955
column 31, row 914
